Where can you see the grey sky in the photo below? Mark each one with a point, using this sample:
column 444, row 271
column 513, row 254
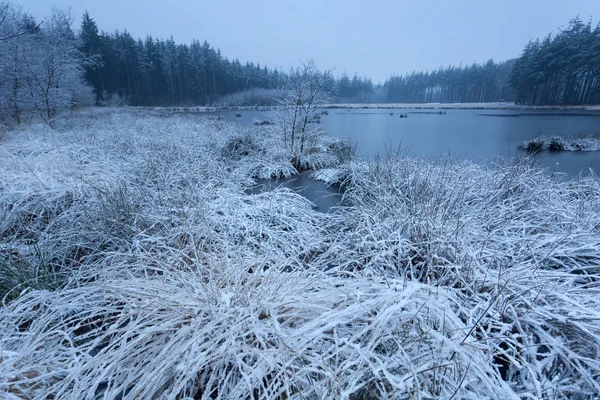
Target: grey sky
column 374, row 38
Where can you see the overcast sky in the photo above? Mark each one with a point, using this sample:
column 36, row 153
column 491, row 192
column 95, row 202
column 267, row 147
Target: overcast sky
column 374, row 38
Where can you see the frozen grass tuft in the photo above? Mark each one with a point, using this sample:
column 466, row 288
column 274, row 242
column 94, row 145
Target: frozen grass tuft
column 302, row 336
column 135, row 265
column 517, row 247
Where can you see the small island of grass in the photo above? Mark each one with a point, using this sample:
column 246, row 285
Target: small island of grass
column 558, row 143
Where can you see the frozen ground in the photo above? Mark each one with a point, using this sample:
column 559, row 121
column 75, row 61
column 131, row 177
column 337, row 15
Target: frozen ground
column 134, row 264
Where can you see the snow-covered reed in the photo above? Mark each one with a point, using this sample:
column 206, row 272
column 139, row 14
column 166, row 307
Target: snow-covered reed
column 519, row 249
column 136, row 266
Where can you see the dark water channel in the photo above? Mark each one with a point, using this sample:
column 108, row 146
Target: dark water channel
column 325, row 198
column 481, row 136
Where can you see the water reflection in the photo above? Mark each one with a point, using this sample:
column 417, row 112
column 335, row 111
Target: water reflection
column 485, row 137
column 325, row 198
column 467, row 134
column 480, row 136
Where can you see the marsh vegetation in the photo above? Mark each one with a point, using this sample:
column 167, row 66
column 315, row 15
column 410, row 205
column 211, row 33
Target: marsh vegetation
column 138, row 259
column 135, row 263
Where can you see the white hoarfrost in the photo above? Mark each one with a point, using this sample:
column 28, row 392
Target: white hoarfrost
column 135, row 265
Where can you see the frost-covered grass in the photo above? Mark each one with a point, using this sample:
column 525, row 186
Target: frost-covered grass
column 145, row 271
column 558, row 143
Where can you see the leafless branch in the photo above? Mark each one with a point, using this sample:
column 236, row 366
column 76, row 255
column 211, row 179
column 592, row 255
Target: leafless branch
column 14, row 35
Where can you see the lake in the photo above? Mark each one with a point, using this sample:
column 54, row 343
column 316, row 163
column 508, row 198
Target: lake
column 477, row 135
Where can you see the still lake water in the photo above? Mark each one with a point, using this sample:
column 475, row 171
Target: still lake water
column 477, row 135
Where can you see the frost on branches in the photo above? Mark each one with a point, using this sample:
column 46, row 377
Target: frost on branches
column 41, row 68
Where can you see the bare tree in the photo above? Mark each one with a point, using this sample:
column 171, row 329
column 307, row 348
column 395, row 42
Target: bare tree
column 41, row 69
column 15, row 27
column 55, row 68
column 8, row 28
column 299, row 100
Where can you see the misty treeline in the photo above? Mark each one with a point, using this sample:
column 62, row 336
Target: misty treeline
column 47, row 66
column 161, row 72
column 561, row 69
column 41, row 66
column 472, row 84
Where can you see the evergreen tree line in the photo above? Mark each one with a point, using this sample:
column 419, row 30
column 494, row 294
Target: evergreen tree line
column 44, row 67
column 561, row 69
column 357, row 90
column 160, row 72
column 477, row 83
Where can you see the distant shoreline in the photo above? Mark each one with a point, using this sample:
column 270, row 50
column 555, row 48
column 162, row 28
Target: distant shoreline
column 384, row 106
column 462, row 106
